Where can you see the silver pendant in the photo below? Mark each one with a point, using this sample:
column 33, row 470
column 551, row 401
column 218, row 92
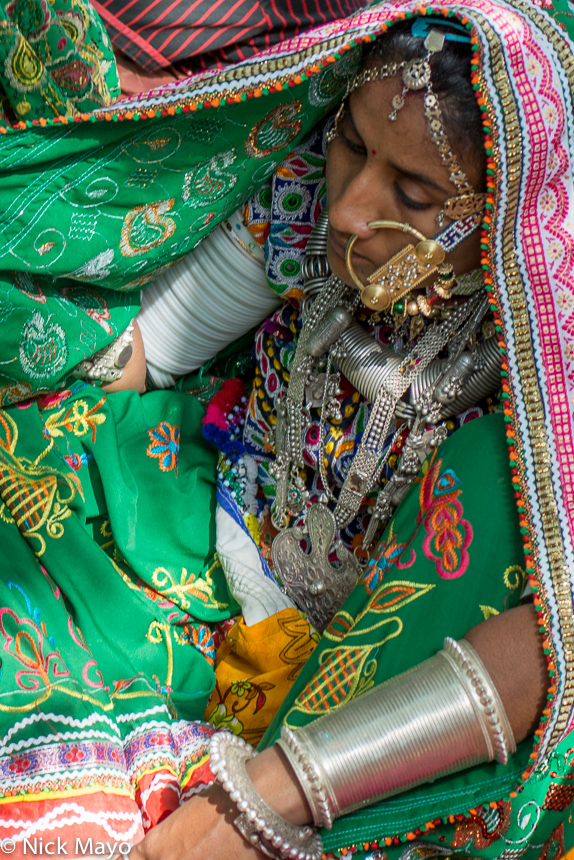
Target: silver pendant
column 417, row 448
column 309, row 578
column 314, row 390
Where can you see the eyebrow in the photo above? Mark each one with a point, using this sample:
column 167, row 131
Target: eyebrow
column 419, row 177
column 416, row 177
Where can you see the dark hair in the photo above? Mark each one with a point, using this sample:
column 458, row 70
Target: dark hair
column 450, row 82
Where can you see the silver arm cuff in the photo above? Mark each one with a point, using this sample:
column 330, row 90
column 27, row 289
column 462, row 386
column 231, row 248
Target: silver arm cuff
column 442, row 716
column 107, row 365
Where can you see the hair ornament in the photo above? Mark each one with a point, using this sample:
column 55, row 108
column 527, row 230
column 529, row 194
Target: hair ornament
column 421, row 27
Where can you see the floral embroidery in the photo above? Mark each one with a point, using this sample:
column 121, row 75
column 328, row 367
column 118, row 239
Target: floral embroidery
column 44, row 670
column 24, row 640
column 221, row 720
column 78, row 419
column 165, row 446
column 201, row 637
column 240, row 688
column 245, row 697
column 190, row 586
column 386, row 556
column 448, row 534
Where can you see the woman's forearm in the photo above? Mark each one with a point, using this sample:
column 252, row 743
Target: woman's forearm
column 133, row 374
column 275, row 781
column 510, row 647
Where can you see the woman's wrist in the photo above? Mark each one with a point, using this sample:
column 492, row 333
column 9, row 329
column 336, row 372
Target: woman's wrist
column 261, row 825
column 277, row 784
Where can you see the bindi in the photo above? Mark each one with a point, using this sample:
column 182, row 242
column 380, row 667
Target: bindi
column 373, row 151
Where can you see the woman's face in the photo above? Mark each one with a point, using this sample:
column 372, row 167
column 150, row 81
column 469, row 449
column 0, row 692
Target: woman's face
column 378, row 169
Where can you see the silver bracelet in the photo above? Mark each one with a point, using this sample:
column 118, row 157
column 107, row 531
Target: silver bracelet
column 496, row 729
column 308, row 776
column 260, row 825
column 440, row 717
column 107, row 364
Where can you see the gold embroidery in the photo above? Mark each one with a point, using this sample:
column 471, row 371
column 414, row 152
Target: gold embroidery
column 158, row 631
column 527, row 379
column 514, row 577
column 344, row 673
column 488, row 611
column 36, row 497
column 189, row 585
column 78, row 419
column 146, row 227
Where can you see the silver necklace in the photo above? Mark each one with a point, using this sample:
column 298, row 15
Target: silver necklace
column 307, row 575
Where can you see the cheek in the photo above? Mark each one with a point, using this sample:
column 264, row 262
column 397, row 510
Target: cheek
column 334, row 171
column 467, row 256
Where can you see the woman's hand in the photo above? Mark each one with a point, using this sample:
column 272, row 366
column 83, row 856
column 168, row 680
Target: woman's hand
column 202, row 829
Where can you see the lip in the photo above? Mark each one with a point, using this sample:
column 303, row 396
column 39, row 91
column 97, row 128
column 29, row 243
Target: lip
column 340, row 249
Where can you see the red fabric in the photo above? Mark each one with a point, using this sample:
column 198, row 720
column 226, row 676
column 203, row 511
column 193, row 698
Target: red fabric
column 100, row 818
column 204, row 34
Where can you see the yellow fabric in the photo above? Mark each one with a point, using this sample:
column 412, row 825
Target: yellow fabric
column 255, row 669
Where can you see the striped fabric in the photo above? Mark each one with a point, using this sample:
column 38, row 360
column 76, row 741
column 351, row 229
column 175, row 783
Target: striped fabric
column 207, row 34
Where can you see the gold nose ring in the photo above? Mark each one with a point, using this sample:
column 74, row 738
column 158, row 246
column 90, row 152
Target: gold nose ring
column 402, row 273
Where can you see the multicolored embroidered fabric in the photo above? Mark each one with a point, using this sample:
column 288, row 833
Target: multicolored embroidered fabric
column 57, row 59
column 283, row 213
column 136, row 200
column 86, row 726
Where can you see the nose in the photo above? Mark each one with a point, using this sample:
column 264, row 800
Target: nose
column 355, row 204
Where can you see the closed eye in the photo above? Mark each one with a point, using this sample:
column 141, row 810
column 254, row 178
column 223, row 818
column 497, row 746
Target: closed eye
column 408, row 201
column 354, row 147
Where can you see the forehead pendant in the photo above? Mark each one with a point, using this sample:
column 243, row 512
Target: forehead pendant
column 416, row 75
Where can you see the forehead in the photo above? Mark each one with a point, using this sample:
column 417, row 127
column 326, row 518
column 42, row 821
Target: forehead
column 406, row 141
column 405, row 137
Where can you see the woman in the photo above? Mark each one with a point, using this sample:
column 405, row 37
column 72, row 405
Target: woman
column 130, row 546
column 272, row 775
